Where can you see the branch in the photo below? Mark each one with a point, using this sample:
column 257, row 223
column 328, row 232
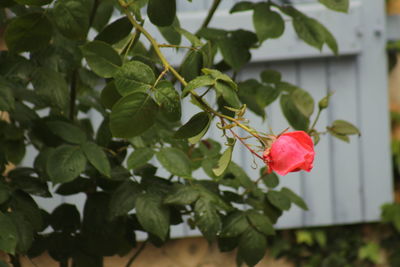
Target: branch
column 211, row 13
column 134, row 256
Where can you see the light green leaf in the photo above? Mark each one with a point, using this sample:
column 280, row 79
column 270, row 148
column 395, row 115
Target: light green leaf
column 28, row 32
column 194, row 126
column 153, row 215
column 234, row 224
column 336, row 5
column 224, row 161
column 139, row 157
column 310, row 31
column 192, row 38
column 228, row 94
column 134, row 76
column 271, row 76
column 278, row 199
column 200, row 81
column 71, row 17
column 342, row 127
column 216, row 74
column 123, row 199
column 97, row 157
column 132, row 115
column 169, row 100
column 267, row 23
column 252, row 246
column 294, row 198
column 260, row 222
column 175, row 161
column 102, row 58
column 65, row 163
column 303, row 102
column 8, row 234
column 182, row 195
column 67, row 131
column 371, row 252
column 161, row 12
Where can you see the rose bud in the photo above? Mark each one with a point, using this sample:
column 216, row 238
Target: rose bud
column 290, row 152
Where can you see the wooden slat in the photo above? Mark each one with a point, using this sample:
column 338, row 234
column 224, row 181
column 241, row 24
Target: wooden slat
column 316, row 184
column 374, row 117
column 345, row 163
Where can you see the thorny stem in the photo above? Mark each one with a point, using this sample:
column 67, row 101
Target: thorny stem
column 211, row 12
column 315, row 121
column 134, row 256
column 166, row 65
column 177, row 46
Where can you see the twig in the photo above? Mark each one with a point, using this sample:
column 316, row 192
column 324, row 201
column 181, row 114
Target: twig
column 134, row 256
column 211, row 13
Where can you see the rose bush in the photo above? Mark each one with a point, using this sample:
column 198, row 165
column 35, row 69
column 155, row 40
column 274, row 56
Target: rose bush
column 139, row 169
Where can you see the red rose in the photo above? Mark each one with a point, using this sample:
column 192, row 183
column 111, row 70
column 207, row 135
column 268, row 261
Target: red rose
column 290, row 152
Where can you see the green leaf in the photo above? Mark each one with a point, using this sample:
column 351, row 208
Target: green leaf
column 134, row 76
column 34, row 2
column 139, row 157
column 65, row 218
column 22, row 179
column 260, row 222
column 278, row 199
column 195, row 139
column 115, row 31
column 370, row 251
column 67, row 131
column 207, row 218
column 330, row 40
column 25, row 232
column 336, row 5
column 71, row 17
column 175, row 161
column 182, row 195
column 234, row 52
column 153, row 215
column 295, row 118
column 310, row 31
column 228, row 93
column 342, row 127
column 303, row 102
column 391, row 214
column 24, row 203
column 132, row 115
column 6, row 96
column 192, row 65
column 200, row 81
column 5, row 193
column 224, row 161
column 242, row 6
column 29, row 32
column 294, row 198
column 123, row 199
column 51, row 85
column 97, row 157
column 102, row 58
column 271, row 76
column 234, row 224
column 65, row 163
column 252, row 246
column 194, row 126
column 270, row 180
column 8, row 234
column 170, row 33
column 169, row 100
column 109, row 95
column 76, row 186
column 267, row 23
column 161, row 12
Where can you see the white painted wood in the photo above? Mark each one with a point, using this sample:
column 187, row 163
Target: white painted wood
column 345, row 165
column 316, row 184
column 373, row 112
